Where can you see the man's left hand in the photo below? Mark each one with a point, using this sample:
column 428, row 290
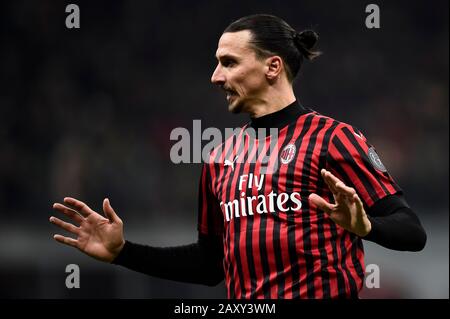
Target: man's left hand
column 347, row 211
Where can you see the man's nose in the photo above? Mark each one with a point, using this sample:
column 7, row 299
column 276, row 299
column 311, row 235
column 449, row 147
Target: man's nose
column 217, row 77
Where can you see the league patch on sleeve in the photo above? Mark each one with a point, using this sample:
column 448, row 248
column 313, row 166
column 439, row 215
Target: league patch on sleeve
column 375, row 160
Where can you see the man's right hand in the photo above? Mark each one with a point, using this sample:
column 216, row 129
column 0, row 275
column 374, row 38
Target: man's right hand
column 96, row 236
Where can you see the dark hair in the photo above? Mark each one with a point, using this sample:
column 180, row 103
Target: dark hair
column 273, row 36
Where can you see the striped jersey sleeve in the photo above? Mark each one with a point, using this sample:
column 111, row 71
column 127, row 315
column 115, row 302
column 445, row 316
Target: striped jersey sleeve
column 210, row 220
column 353, row 160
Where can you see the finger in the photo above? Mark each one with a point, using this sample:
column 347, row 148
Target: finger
column 321, row 203
column 66, row 226
column 348, row 191
column 109, row 211
column 358, row 202
column 328, row 180
column 79, row 206
column 330, row 177
column 66, row 240
column 74, row 215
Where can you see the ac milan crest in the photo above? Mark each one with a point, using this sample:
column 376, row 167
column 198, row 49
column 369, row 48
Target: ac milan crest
column 288, row 153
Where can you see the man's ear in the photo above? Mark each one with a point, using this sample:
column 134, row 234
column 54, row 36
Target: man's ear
column 274, row 67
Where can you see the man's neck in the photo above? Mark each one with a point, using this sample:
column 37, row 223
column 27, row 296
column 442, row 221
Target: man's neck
column 273, row 102
column 279, row 119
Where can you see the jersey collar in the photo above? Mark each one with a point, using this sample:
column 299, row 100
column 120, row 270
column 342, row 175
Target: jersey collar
column 280, row 118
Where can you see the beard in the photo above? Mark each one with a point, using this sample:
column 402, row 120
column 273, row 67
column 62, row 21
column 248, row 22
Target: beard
column 235, row 106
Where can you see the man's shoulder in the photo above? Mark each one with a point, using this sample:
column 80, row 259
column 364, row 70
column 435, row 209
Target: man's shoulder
column 344, row 132
column 336, row 126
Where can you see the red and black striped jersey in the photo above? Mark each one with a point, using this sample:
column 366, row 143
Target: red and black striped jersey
column 275, row 244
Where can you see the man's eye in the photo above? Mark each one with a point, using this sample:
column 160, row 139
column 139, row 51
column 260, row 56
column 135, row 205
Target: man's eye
column 228, row 63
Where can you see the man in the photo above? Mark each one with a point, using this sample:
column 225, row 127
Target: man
column 292, row 229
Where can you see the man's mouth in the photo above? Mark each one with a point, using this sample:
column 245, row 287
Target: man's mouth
column 230, row 94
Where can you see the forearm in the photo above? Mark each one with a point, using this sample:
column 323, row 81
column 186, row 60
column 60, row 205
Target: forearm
column 396, row 226
column 199, row 263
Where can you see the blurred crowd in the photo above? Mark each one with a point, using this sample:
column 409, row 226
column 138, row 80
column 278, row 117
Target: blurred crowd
column 88, row 112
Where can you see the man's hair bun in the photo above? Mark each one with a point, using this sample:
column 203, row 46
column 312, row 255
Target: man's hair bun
column 305, row 41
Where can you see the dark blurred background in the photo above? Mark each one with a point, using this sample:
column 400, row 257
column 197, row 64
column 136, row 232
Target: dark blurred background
column 87, row 113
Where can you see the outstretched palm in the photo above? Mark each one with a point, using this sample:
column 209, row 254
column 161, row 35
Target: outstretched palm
column 347, row 210
column 96, row 236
